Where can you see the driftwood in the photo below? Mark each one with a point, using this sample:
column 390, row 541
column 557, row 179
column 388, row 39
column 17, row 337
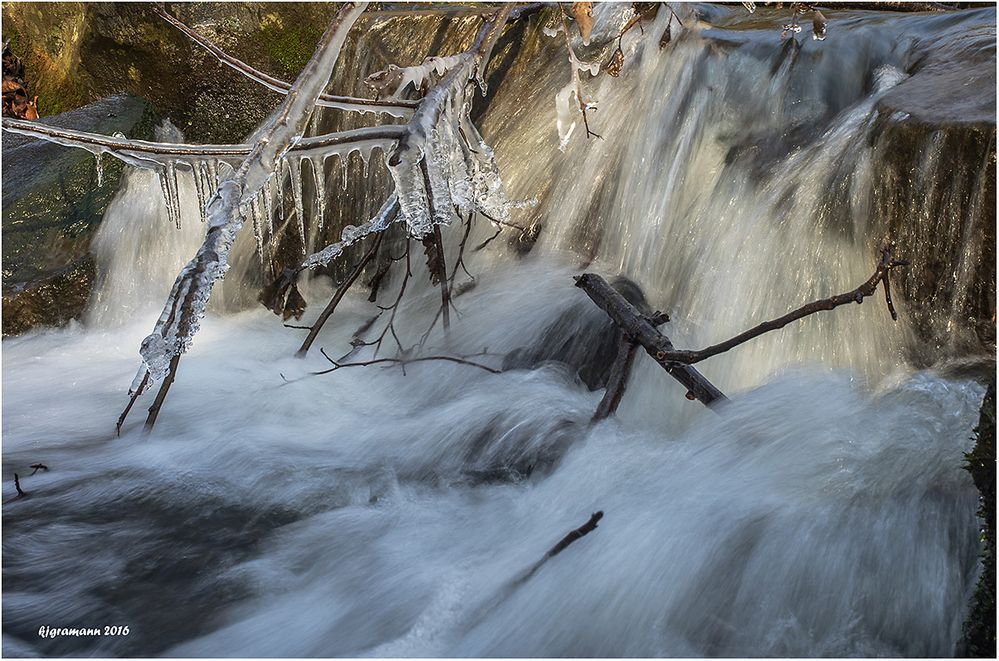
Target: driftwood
column 637, row 329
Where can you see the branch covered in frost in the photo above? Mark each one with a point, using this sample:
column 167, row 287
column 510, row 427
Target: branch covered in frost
column 186, row 304
column 396, row 107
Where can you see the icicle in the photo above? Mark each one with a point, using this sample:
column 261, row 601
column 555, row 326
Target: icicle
column 173, row 206
column 295, row 164
column 344, row 164
column 319, row 180
column 412, row 196
column 100, row 167
column 366, row 159
column 268, row 193
column 280, row 191
column 199, row 187
column 255, row 212
column 164, row 179
column 212, row 171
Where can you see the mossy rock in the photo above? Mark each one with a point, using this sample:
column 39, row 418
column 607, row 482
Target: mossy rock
column 53, row 205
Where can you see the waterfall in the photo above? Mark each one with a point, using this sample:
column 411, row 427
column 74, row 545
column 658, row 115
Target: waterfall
column 376, row 512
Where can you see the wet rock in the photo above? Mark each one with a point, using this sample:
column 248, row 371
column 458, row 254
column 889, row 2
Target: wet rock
column 53, row 204
column 583, row 338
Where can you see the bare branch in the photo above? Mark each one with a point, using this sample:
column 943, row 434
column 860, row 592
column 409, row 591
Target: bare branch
column 338, row 296
column 461, row 360
column 618, row 380
column 396, row 107
column 885, row 265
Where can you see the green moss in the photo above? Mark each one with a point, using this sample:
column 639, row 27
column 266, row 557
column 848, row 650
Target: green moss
column 290, row 48
column 980, row 627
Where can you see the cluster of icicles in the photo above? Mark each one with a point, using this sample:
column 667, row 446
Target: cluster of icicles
column 445, row 168
column 439, row 163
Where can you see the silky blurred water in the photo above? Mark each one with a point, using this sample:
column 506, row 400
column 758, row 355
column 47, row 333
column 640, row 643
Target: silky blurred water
column 371, row 512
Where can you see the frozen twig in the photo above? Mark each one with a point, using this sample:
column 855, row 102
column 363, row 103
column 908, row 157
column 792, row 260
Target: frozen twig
column 145, row 154
column 575, row 66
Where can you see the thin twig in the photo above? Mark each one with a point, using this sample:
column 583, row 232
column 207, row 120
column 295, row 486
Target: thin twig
column 338, row 296
column 38, row 467
column 885, row 265
column 17, row 485
column 404, row 361
column 563, row 543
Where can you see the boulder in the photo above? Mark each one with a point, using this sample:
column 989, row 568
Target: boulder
column 52, row 206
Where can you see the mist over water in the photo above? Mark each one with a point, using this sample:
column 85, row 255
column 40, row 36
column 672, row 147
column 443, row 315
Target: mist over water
column 367, row 512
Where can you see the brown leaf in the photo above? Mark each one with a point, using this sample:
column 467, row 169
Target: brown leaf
column 818, row 26
column 294, row 306
column 435, row 261
column 666, row 38
column 32, row 111
column 583, row 13
column 613, row 67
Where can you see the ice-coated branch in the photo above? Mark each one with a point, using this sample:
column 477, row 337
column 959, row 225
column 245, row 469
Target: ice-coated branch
column 395, row 107
column 437, row 141
column 563, row 114
column 145, row 154
column 412, row 147
column 189, row 296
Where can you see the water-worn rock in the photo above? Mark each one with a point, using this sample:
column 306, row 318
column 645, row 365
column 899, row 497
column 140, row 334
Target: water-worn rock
column 52, row 205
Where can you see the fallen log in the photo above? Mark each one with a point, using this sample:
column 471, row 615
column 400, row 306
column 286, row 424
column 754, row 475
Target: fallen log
column 642, row 330
column 639, row 329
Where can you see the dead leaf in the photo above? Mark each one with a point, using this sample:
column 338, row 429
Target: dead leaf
column 583, row 13
column 666, row 38
column 613, row 67
column 295, row 304
column 818, row 26
column 435, row 260
column 32, row 111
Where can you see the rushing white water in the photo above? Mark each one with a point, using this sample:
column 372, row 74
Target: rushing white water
column 823, row 511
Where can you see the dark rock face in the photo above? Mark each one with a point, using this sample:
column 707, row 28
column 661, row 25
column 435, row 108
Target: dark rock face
column 935, row 196
column 52, row 205
column 980, row 627
column 936, row 188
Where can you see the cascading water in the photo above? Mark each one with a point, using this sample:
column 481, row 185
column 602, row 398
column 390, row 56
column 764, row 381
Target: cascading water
column 371, row 512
